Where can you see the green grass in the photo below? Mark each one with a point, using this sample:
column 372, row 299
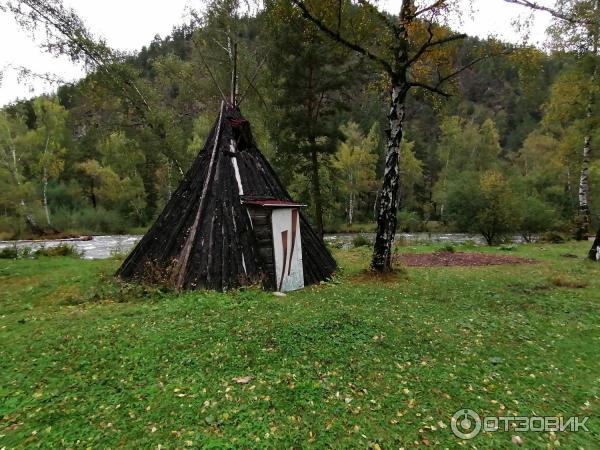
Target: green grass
column 86, row 362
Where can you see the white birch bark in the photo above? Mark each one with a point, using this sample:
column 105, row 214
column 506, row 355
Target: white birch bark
column 387, row 201
column 45, row 182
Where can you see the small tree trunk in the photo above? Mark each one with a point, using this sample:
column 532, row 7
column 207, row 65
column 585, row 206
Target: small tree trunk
column 489, row 239
column 316, row 189
column 45, row 200
column 30, row 220
column 350, row 208
column 583, row 224
column 387, row 200
column 150, row 181
column 45, row 184
column 93, row 194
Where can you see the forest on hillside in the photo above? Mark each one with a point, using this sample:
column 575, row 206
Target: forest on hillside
column 502, row 154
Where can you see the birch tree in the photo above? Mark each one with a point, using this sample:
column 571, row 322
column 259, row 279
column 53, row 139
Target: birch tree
column 65, row 33
column 356, row 160
column 46, row 145
column 413, row 51
column 10, row 158
column 581, row 35
column 576, row 29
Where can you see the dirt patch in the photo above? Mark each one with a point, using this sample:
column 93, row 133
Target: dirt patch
column 465, row 259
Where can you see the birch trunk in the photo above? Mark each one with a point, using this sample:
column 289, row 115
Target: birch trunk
column 350, row 208
column 387, row 200
column 584, row 209
column 45, row 183
column 45, row 198
column 584, row 189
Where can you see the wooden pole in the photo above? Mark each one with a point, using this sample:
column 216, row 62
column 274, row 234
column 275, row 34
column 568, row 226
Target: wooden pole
column 234, row 76
column 181, row 267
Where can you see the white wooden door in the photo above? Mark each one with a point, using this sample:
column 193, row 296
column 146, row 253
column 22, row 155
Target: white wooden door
column 287, row 246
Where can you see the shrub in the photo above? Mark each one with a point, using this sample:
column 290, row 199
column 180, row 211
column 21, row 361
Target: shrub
column 9, row 252
column 361, row 241
column 89, row 219
column 59, row 250
column 447, row 248
column 433, row 226
column 399, row 242
column 554, row 237
column 484, row 204
column 536, row 217
column 65, row 196
column 15, row 252
column 342, row 227
column 409, row 221
column 26, row 252
column 9, row 226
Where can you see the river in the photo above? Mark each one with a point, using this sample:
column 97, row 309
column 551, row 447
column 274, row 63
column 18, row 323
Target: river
column 100, row 247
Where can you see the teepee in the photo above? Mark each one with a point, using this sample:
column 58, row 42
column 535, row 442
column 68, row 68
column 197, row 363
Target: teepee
column 230, row 223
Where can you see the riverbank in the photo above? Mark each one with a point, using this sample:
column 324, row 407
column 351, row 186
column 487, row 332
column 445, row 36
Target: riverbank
column 101, row 247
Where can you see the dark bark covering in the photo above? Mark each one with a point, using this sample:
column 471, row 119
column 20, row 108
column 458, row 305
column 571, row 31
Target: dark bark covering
column 316, row 191
column 223, row 250
column 593, row 254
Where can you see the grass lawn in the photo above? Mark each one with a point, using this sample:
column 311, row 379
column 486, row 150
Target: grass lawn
column 354, row 363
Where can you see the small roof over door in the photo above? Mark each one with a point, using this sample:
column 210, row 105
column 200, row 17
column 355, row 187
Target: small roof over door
column 273, row 203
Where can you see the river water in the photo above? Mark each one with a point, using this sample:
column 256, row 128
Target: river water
column 106, row 246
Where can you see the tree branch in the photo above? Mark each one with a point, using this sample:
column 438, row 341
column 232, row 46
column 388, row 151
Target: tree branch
column 431, row 43
column 253, row 77
column 462, row 69
column 427, row 87
column 336, row 36
column 435, row 5
column 397, row 29
column 554, row 12
column 436, row 88
column 71, row 27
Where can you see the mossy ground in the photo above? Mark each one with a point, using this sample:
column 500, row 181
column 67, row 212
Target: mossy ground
column 88, row 362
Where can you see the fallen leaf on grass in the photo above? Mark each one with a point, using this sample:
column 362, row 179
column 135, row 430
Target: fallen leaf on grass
column 242, row 380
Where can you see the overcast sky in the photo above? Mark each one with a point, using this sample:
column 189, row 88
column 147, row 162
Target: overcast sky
column 131, row 24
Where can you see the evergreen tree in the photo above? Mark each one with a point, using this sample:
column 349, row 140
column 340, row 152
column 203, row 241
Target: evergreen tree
column 310, row 74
